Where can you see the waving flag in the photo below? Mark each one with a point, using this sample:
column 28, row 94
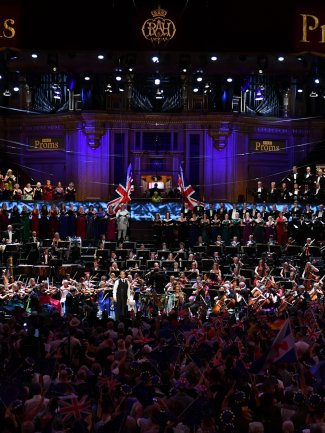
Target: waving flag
column 123, row 192
column 282, row 350
column 70, row 406
column 187, row 191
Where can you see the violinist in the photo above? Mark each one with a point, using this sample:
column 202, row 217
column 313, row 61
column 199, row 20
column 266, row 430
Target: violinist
column 179, row 296
column 241, row 293
column 306, row 253
column 182, row 280
column 170, row 294
column 235, row 266
column 104, row 296
column 198, row 294
column 64, row 294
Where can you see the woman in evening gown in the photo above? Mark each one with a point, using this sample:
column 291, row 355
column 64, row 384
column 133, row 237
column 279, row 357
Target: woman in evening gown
column 110, row 224
column 81, row 223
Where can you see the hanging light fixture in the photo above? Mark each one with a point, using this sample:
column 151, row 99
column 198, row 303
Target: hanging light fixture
column 313, row 94
column 259, row 96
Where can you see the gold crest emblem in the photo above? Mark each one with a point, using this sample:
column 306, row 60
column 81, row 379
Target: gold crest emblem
column 158, row 28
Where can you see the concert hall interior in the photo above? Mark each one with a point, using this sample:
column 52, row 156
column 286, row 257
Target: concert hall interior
column 162, row 222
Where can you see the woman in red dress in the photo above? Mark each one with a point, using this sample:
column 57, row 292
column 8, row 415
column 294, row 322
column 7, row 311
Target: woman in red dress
column 111, row 224
column 81, row 223
column 281, row 229
column 34, row 224
column 48, row 191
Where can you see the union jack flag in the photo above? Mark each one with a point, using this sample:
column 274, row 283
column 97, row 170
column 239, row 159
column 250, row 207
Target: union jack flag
column 70, row 406
column 187, row 192
column 313, row 333
column 124, row 192
column 110, row 382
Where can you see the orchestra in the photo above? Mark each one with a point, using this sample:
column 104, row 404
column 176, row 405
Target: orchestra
column 169, row 273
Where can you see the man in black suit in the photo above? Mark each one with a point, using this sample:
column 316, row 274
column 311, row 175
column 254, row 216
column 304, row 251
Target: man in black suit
column 121, row 293
column 285, row 194
column 157, row 280
column 293, row 178
column 210, row 212
column 46, row 256
column 9, row 236
column 273, row 193
column 186, row 211
column 198, row 210
column 318, row 193
column 260, row 194
column 309, row 178
column 34, row 238
column 320, row 178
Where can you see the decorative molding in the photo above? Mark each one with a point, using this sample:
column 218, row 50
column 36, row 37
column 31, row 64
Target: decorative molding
column 220, row 136
column 94, row 132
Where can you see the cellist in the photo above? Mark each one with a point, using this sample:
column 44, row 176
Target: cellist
column 309, row 275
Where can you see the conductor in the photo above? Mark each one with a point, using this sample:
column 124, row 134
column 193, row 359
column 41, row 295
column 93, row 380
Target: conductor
column 121, row 294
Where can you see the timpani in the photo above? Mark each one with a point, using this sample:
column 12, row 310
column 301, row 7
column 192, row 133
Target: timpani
column 25, row 269
column 42, row 271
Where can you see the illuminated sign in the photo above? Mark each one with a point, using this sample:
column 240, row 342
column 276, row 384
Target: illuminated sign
column 158, row 28
column 48, row 143
column 10, row 25
column 310, row 30
column 269, row 146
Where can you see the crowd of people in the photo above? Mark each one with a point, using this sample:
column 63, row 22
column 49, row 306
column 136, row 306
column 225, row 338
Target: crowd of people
column 166, row 336
column 303, row 185
column 10, row 189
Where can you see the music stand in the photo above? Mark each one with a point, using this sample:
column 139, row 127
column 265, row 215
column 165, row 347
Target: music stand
column 214, row 248
column 110, row 245
column 261, row 248
column 232, row 251
column 46, row 242
column 128, row 245
column 31, row 246
column 247, row 273
column 121, row 253
column 293, row 250
column 276, row 249
column 315, row 251
column 143, row 254
column 199, row 249
column 150, row 263
column 12, row 248
column 186, row 264
column 249, row 251
column 207, row 264
column 162, row 254
column 63, row 244
column 88, row 242
column 103, row 254
column 132, row 263
column 168, row 264
column 179, row 255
